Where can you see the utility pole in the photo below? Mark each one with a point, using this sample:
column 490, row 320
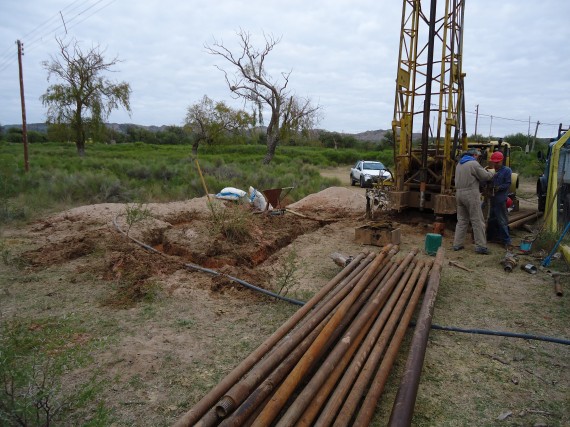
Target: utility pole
column 24, row 127
column 535, row 132
column 476, row 119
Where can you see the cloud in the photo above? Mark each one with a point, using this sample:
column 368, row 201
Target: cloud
column 342, row 54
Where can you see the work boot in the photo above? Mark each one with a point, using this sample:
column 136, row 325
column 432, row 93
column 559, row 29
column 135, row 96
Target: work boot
column 458, row 247
column 482, row 250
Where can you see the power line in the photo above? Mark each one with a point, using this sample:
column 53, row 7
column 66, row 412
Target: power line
column 6, row 59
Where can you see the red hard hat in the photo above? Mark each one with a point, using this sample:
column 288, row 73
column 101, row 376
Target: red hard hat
column 497, row 156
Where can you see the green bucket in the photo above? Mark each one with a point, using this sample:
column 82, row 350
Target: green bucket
column 433, row 242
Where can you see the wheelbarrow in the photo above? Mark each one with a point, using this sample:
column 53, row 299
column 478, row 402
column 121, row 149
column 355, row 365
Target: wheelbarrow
column 275, row 198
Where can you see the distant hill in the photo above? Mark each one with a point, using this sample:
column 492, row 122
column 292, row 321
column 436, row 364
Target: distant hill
column 369, row 135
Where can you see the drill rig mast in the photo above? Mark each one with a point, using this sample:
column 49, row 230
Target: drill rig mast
column 429, row 87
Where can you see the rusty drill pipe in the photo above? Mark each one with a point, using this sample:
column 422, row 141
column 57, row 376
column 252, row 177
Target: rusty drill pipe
column 377, row 387
column 356, row 363
column 557, row 286
column 336, row 400
column 194, row 414
column 297, row 408
column 261, row 393
column 283, row 393
column 403, row 407
column 366, row 375
column 239, row 391
column 275, row 378
column 522, row 221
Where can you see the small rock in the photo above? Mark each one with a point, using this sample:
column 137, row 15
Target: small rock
column 515, row 380
column 504, row 415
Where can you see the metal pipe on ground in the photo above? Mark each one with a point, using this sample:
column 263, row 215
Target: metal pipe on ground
column 365, row 376
column 377, row 387
column 297, row 408
column 241, row 389
column 403, row 407
column 283, row 393
column 351, row 373
column 522, row 221
column 255, row 399
column 194, row 414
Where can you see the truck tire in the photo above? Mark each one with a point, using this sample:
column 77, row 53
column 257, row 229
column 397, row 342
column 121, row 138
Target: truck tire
column 566, row 209
column 541, row 198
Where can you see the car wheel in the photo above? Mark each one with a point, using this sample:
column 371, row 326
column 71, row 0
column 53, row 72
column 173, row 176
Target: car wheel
column 361, row 182
column 352, row 181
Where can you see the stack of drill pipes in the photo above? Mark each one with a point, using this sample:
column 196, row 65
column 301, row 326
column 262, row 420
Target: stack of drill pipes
column 403, row 408
column 348, row 375
column 240, row 389
column 194, row 414
column 258, row 396
column 285, row 390
column 377, row 387
column 344, row 402
column 531, row 217
column 372, row 309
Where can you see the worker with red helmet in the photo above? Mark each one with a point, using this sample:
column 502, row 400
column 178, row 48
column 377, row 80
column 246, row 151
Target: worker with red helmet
column 498, row 224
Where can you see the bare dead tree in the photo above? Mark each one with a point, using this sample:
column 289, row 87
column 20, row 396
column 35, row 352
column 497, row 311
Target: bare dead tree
column 251, row 82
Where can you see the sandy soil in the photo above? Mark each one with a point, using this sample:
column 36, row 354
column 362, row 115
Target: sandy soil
column 161, row 363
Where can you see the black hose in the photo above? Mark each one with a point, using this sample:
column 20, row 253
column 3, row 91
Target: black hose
column 501, row 334
column 209, row 271
column 297, row 302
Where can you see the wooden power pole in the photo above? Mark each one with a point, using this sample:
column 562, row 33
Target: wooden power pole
column 535, row 132
column 24, row 127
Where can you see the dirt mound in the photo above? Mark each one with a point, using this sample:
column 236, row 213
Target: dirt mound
column 332, row 202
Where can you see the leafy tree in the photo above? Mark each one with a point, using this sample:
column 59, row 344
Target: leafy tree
column 84, row 99
column 250, row 81
column 388, row 139
column 518, row 140
column 210, row 122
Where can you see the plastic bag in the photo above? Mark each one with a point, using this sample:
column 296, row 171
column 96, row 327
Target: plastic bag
column 231, row 193
column 257, row 199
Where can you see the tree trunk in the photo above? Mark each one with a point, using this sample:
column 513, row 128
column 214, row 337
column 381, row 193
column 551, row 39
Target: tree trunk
column 195, row 149
column 80, row 142
column 272, row 138
column 79, row 132
column 272, row 142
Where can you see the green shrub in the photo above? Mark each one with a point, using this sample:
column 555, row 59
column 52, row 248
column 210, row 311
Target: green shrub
column 35, row 357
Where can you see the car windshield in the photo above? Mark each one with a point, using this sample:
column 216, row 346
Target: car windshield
column 373, row 166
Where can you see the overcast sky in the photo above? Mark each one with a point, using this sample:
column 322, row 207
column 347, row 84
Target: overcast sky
column 343, row 55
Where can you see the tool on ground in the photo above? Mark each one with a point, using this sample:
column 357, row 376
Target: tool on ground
column 529, row 268
column 509, row 262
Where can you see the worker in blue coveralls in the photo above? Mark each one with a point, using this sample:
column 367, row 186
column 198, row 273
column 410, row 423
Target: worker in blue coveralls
column 498, row 224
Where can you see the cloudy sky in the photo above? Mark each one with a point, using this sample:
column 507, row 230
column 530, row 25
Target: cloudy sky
column 342, row 54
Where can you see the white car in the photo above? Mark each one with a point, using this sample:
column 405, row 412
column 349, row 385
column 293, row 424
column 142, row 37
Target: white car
column 367, row 172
